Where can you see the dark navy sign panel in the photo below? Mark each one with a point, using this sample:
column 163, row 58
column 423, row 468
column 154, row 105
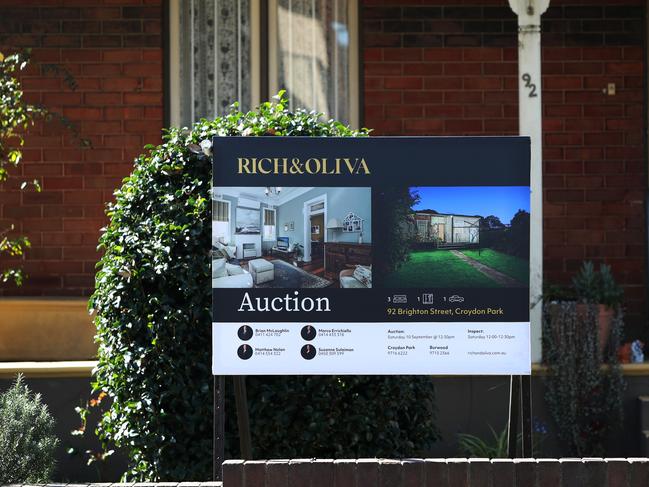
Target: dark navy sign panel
column 413, row 161
column 458, row 305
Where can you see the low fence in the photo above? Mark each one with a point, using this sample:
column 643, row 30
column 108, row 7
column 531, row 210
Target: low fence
column 596, row 472
column 454, row 472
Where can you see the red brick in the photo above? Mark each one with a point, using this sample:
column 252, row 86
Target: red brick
column 483, row 83
column 120, row 84
column 422, row 97
column 425, row 69
column 402, row 54
column 482, row 54
column 404, row 111
column 624, row 68
column 561, row 83
column 442, row 54
column 463, row 68
column 464, row 126
column 443, row 83
column 142, row 69
column 80, row 55
column 424, row 126
column 406, row 83
column 444, row 111
column 372, row 69
column 77, row 113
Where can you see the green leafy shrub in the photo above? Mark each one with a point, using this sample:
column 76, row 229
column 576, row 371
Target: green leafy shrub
column 27, row 441
column 153, row 328
column 583, row 397
column 16, row 116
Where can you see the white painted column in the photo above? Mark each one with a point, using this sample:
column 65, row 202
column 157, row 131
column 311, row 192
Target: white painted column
column 530, row 123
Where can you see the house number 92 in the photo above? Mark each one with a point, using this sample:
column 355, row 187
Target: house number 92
column 527, row 78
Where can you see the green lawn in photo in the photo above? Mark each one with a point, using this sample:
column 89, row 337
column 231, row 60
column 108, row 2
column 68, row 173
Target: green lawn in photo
column 437, row 268
column 512, row 266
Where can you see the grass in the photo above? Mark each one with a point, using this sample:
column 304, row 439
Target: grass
column 507, row 264
column 437, row 268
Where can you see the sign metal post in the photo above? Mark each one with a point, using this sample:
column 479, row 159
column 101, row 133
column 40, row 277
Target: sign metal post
column 219, row 428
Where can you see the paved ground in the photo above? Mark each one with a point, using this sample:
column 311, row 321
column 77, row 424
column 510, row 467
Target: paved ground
column 502, row 279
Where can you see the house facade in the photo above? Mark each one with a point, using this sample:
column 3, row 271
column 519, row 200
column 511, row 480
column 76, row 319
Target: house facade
column 448, row 230
column 399, row 67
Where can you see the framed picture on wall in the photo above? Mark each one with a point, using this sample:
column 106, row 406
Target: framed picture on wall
column 315, row 229
column 248, row 221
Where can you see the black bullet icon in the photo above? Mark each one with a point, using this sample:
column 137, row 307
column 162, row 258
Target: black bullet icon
column 308, row 351
column 244, row 352
column 245, row 332
column 308, row 332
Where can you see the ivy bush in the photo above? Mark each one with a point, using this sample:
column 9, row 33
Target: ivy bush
column 153, row 318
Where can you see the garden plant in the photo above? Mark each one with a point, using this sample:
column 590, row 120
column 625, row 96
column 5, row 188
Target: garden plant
column 27, row 441
column 584, row 397
column 153, row 316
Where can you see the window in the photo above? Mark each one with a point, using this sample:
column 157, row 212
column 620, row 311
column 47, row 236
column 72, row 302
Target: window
column 219, row 53
column 317, row 207
column 422, row 228
column 220, row 221
column 270, row 232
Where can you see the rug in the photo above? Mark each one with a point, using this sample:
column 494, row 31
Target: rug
column 289, row 276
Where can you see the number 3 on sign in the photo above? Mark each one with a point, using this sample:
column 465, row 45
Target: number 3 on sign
column 527, row 78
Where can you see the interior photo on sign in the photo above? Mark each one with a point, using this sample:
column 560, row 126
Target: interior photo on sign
column 455, row 236
column 291, row 237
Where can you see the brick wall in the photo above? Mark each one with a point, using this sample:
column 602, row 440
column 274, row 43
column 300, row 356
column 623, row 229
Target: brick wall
column 113, row 50
column 455, row 472
column 447, row 68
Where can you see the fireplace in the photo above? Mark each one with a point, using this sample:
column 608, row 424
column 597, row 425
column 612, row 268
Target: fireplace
column 249, row 250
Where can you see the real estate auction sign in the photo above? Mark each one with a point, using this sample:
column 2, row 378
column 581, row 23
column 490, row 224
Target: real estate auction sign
column 400, row 255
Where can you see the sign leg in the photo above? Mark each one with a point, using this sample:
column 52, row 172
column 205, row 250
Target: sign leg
column 241, row 401
column 219, row 428
column 526, row 399
column 514, row 413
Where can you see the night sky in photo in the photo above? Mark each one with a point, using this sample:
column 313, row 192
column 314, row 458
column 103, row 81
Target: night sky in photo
column 501, row 201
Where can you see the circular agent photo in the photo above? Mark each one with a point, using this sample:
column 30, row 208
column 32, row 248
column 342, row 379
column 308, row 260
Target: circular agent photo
column 245, row 332
column 308, row 351
column 244, row 352
column 308, row 332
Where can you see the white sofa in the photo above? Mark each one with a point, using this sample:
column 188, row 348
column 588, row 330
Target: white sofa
column 226, row 275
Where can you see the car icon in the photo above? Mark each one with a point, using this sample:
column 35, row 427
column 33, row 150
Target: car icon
column 456, row 299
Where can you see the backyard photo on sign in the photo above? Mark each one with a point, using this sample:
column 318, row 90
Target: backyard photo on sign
column 461, row 236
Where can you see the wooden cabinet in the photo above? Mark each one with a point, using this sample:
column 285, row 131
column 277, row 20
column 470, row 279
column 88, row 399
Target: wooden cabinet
column 339, row 256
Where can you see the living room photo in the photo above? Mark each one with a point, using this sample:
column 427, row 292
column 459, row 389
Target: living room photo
column 291, row 237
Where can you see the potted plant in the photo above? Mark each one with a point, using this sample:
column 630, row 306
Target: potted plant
column 599, row 289
column 298, row 252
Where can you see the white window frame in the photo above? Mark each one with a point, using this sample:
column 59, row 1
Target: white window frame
column 228, row 234
column 274, row 236
column 174, row 66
